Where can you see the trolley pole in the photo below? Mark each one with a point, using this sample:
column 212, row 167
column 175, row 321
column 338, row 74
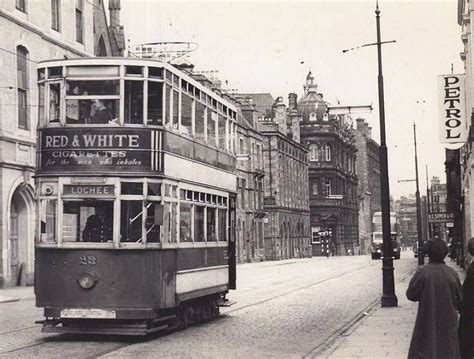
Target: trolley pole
column 421, row 255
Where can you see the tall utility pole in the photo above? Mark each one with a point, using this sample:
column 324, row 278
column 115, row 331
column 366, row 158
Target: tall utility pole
column 421, row 255
column 389, row 299
column 428, row 204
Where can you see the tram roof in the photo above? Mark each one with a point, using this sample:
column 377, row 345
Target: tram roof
column 110, row 61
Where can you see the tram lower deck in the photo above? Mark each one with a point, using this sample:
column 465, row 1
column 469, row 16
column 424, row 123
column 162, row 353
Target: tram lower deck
column 84, row 290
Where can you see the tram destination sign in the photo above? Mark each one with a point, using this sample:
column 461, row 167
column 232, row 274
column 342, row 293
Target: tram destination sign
column 99, row 150
column 440, row 217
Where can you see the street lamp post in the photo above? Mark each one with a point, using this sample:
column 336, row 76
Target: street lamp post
column 421, row 256
column 389, row 299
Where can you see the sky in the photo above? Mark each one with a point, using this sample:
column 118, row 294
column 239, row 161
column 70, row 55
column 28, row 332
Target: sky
column 269, row 46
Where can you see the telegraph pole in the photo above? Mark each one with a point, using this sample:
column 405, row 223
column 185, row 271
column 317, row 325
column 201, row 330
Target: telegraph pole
column 421, row 256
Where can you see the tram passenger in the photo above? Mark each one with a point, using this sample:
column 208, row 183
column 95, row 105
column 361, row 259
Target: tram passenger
column 98, row 227
column 101, row 114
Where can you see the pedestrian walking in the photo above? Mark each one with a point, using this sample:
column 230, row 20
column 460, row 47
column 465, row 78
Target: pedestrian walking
column 438, row 290
column 466, row 321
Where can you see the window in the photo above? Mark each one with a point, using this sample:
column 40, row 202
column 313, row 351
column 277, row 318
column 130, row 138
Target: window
column 79, row 22
column 328, row 153
column 21, row 5
column 55, row 16
column 48, row 220
column 134, row 102
column 211, row 224
column 155, row 103
column 185, row 210
column 211, row 127
column 199, row 223
column 327, row 187
column 314, row 187
column 314, row 153
column 54, row 102
column 200, row 123
column 222, row 135
column 88, row 221
column 41, row 108
column 175, row 110
column 154, row 222
column 187, row 105
column 22, row 86
column 131, row 213
column 222, row 214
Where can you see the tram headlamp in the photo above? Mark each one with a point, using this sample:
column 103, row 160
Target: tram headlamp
column 87, row 280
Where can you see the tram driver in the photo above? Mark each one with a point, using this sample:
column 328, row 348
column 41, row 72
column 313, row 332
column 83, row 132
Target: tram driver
column 98, row 227
column 102, row 114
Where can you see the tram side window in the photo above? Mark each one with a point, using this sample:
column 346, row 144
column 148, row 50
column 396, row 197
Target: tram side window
column 222, row 216
column 185, row 222
column 199, row 223
column 169, row 223
column 187, row 109
column 155, row 103
column 134, row 102
column 221, row 131
column 199, row 121
column 88, row 221
column 48, row 220
column 211, row 224
column 175, row 109
column 41, row 107
column 211, row 127
column 168, row 109
column 131, row 213
column 154, row 222
column 54, row 102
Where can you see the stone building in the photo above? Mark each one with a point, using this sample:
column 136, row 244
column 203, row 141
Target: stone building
column 32, row 31
column 368, row 174
column 285, row 184
column 332, row 172
column 250, row 174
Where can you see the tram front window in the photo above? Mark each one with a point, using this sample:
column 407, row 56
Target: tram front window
column 91, row 111
column 88, row 221
column 131, row 221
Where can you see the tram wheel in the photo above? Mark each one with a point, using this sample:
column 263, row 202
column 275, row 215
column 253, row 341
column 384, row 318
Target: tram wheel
column 214, row 309
column 183, row 319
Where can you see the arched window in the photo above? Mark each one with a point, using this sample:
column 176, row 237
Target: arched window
column 328, row 153
column 22, row 86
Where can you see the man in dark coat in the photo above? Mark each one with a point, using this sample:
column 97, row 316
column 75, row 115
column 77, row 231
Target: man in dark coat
column 466, row 322
column 98, row 228
column 437, row 288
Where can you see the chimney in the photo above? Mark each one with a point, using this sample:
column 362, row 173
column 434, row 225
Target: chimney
column 114, row 11
column 292, row 101
column 295, row 126
column 280, row 114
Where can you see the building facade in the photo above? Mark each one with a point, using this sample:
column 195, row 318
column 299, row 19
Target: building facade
column 250, row 175
column 32, row 31
column 286, row 222
column 333, row 197
column 368, row 174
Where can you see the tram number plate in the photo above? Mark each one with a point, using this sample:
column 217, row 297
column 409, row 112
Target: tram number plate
column 88, row 313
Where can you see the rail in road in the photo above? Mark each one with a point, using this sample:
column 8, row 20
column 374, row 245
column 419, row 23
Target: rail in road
column 267, row 285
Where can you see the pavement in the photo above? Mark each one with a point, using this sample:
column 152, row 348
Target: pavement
column 380, row 332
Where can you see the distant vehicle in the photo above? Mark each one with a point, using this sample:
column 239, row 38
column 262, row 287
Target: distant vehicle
column 377, row 236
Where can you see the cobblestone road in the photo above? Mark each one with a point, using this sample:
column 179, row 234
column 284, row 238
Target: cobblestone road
column 287, row 309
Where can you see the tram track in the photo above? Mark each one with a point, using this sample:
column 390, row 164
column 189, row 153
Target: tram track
column 296, row 289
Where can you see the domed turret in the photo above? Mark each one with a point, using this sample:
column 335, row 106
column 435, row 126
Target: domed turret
column 312, row 107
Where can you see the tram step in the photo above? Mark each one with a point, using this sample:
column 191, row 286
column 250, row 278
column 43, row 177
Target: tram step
column 226, row 303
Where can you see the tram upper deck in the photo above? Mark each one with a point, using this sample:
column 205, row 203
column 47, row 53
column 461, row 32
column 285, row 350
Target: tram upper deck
column 130, row 117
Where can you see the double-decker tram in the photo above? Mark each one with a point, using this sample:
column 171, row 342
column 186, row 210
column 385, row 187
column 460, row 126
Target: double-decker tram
column 135, row 195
